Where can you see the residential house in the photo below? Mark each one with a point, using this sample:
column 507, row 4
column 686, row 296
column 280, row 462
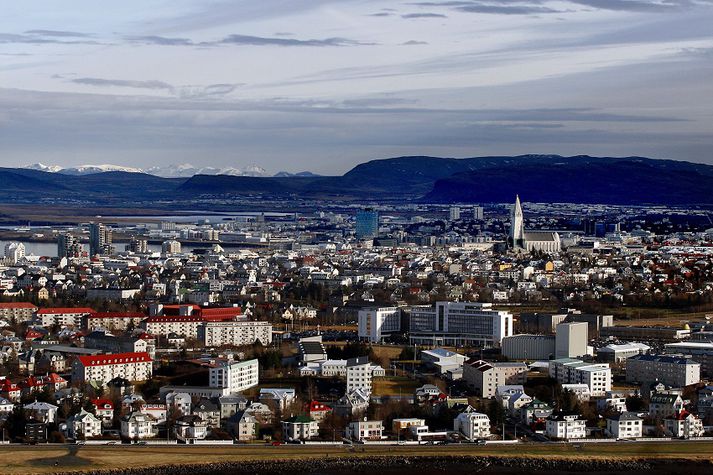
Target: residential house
column 365, row 430
column 300, row 428
column 472, row 425
column 626, row 425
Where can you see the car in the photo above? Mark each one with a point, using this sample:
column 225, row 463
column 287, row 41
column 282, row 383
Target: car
column 276, row 443
column 481, row 441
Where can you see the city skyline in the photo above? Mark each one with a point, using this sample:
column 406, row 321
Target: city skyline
column 322, row 86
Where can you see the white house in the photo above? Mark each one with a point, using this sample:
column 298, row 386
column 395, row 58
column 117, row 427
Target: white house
column 684, row 424
column 300, row 428
column 626, row 425
column 472, row 425
column 365, row 430
column 190, row 428
column 138, row 426
column 564, row 425
column 83, row 425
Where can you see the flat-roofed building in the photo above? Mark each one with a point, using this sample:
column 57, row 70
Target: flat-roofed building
column 617, row 353
column 460, row 323
column 597, row 376
column 676, row 371
column 375, row 323
column 571, row 340
column 528, row 347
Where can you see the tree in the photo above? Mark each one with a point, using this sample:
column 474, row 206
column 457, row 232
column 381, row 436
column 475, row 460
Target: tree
column 496, row 413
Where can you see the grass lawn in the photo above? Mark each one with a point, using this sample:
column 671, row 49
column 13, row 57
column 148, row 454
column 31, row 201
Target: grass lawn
column 393, row 386
column 48, row 459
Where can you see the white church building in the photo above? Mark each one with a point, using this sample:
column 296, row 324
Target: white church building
column 520, row 239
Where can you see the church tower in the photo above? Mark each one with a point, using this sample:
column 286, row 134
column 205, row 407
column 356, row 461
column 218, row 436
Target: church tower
column 517, row 225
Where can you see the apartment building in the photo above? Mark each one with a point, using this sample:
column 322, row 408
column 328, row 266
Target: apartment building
column 485, row 377
column 597, row 376
column 235, row 376
column 18, row 311
column 472, row 425
column 104, row 368
column 359, row 374
column 65, row 317
column 563, row 425
column 673, row 371
column 112, row 320
column 235, row 333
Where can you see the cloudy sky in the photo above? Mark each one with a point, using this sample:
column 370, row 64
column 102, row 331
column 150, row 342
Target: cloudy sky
column 323, row 85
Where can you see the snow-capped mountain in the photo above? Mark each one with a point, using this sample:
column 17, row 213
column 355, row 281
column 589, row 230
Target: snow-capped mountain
column 184, row 170
column 298, row 174
column 91, row 169
column 43, row 168
column 187, row 170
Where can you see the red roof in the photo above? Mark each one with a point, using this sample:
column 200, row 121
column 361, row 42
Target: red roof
column 10, row 305
column 118, row 358
column 60, row 310
column 220, row 314
column 117, row 315
column 316, row 406
column 103, row 404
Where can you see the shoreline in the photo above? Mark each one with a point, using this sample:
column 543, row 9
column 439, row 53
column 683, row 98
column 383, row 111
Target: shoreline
column 425, row 464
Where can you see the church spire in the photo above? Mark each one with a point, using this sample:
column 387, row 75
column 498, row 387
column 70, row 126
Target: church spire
column 517, row 225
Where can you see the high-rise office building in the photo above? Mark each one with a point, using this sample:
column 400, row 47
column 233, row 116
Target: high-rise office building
column 68, row 246
column 14, row 252
column 138, row 245
column 171, row 247
column 367, row 224
column 99, row 239
column 478, row 213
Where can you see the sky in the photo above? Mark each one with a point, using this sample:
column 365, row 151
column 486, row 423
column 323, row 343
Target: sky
column 324, row 85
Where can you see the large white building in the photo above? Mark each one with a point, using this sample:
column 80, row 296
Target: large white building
column 617, row 353
column 597, row 376
column 377, row 322
column 472, row 425
column 235, row 333
column 72, row 317
column 104, row 368
column 673, row 371
column 571, row 340
column 235, row 376
column 626, row 425
column 485, row 377
column 565, row 426
column 359, row 374
column 14, row 252
column 460, row 323
column 528, row 347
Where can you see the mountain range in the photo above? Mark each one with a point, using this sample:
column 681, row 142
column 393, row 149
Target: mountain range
column 184, row 170
column 537, row 178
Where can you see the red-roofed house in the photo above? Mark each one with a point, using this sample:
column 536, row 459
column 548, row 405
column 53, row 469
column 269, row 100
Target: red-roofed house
column 10, row 390
column 318, row 411
column 63, row 316
column 104, row 368
column 104, row 409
